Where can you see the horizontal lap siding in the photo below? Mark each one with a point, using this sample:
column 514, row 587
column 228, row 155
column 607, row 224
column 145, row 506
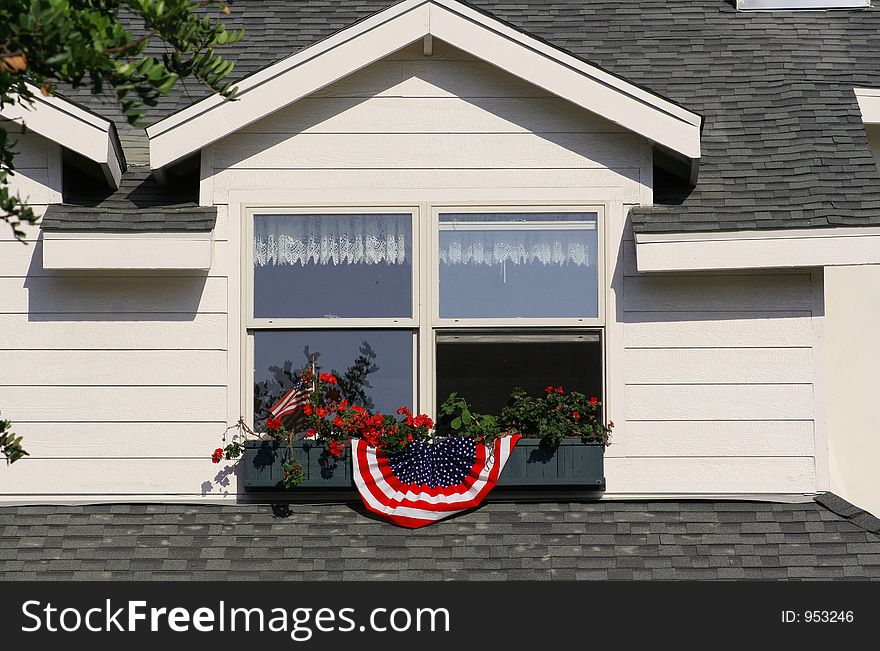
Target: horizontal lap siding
column 719, row 372
column 117, row 381
column 443, row 123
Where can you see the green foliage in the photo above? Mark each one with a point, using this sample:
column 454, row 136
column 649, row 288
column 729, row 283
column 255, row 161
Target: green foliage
column 10, row 444
column 554, row 416
column 92, row 44
column 455, row 418
column 293, row 473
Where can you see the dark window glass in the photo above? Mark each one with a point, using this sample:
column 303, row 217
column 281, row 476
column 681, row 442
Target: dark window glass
column 485, row 367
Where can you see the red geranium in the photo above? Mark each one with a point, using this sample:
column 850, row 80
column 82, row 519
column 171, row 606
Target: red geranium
column 576, row 415
column 329, row 378
column 217, row 457
column 336, row 448
column 594, row 401
column 549, row 390
column 559, row 390
column 273, row 424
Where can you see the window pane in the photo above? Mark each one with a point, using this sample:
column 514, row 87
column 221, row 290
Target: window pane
column 345, row 266
column 485, row 368
column 523, row 265
column 375, row 367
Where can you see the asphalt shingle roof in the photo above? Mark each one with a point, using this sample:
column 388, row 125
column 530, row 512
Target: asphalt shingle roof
column 536, row 541
column 140, row 204
column 783, row 140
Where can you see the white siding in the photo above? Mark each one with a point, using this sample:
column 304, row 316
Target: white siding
column 117, row 381
column 37, row 177
column 719, row 375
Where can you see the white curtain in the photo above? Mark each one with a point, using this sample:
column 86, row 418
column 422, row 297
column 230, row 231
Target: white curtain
column 499, row 247
column 331, row 239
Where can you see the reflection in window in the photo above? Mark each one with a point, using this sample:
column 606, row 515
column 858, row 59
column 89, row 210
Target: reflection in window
column 509, row 265
column 374, row 367
column 346, row 266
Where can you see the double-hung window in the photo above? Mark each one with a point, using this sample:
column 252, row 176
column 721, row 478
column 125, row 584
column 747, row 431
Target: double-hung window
column 520, row 302
column 333, row 289
column 407, row 304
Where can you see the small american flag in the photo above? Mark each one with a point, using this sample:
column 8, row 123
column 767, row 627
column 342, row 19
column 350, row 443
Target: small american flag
column 428, row 481
column 291, row 401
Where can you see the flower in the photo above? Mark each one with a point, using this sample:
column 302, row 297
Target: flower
column 338, row 422
column 342, row 406
column 311, row 433
column 329, row 378
column 559, row 390
column 610, row 423
column 549, row 390
column 217, row 457
column 576, row 415
column 594, row 401
column 307, row 409
column 336, row 448
column 321, row 412
column 273, row 424
column 422, row 420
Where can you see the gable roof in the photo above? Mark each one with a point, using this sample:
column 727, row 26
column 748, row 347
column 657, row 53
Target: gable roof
column 382, row 34
column 72, row 126
column 712, row 540
column 783, row 142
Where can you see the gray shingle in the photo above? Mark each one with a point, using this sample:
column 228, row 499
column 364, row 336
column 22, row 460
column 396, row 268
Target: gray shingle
column 139, row 205
column 334, row 541
column 783, row 142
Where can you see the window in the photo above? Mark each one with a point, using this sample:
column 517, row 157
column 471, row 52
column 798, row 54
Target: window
column 333, row 290
column 482, row 301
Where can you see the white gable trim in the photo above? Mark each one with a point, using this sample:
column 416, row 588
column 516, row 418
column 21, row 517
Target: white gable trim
column 70, row 126
column 784, row 248
column 869, row 103
column 282, row 83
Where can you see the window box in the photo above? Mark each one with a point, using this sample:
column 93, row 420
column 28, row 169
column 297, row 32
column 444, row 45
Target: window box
column 261, row 465
column 531, row 465
column 572, row 464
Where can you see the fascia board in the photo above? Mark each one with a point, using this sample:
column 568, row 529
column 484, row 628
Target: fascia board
column 784, row 248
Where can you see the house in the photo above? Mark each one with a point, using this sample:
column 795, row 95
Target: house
column 675, row 206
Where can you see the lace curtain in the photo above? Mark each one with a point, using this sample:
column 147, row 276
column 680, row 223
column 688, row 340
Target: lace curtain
column 500, row 247
column 331, row 239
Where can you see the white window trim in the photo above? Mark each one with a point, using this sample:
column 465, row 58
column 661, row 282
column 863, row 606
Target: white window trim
column 425, row 321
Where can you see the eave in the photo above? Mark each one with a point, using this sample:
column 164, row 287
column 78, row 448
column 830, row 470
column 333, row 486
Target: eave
column 81, row 131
